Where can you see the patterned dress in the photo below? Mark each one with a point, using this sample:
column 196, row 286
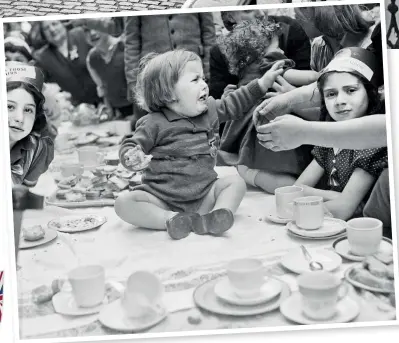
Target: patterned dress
column 339, row 166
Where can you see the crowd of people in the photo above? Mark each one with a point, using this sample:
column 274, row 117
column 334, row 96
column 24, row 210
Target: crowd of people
column 285, row 99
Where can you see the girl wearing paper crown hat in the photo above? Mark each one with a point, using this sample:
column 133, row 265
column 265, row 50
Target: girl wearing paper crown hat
column 348, row 88
column 31, row 148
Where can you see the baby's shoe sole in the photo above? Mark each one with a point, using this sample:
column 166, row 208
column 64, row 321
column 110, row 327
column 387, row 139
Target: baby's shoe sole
column 182, row 224
column 216, row 222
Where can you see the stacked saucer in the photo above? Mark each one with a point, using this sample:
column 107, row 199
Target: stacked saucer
column 218, row 296
column 330, row 229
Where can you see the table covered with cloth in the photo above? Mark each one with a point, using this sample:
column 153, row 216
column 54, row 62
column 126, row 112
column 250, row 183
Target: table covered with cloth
column 181, row 265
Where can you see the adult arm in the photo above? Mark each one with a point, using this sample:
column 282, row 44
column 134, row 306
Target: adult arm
column 300, row 77
column 208, row 38
column 94, row 75
column 289, row 132
column 132, row 52
column 294, row 101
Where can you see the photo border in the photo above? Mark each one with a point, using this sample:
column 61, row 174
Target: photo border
column 12, row 294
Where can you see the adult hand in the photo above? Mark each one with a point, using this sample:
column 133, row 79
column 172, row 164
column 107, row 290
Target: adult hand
column 281, row 86
column 283, row 133
column 271, row 108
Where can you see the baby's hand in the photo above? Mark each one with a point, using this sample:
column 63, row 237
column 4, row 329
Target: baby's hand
column 267, row 80
column 135, row 159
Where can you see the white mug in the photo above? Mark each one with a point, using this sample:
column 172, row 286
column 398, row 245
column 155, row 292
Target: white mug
column 88, row 285
column 364, row 235
column 246, row 277
column 284, row 198
column 143, row 292
column 321, row 291
column 308, row 212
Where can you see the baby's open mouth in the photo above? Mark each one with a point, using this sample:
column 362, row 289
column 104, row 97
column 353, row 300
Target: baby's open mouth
column 203, row 97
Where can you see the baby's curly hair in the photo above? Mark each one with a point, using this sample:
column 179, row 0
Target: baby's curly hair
column 247, row 43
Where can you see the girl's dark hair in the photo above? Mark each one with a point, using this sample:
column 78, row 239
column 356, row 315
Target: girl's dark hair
column 376, row 105
column 40, row 121
column 335, row 21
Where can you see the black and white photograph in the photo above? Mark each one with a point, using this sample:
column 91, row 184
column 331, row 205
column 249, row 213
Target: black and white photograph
column 199, row 171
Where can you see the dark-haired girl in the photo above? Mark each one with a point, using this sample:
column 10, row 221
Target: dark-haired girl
column 31, row 147
column 348, row 89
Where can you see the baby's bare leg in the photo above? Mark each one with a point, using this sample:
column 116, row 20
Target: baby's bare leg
column 143, row 209
column 226, row 192
column 220, row 204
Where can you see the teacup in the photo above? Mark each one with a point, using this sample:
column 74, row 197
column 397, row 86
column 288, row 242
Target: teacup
column 246, row 277
column 70, row 169
column 142, row 293
column 364, row 235
column 284, row 198
column 90, row 156
column 88, row 285
column 321, row 292
column 308, row 212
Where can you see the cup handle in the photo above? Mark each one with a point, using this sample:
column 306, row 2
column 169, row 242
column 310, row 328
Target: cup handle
column 343, row 291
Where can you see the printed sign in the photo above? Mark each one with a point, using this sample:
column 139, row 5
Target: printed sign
column 20, row 72
column 350, row 64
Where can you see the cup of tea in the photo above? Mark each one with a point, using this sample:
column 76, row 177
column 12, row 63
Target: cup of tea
column 364, row 235
column 90, row 156
column 143, row 292
column 284, row 199
column 88, row 285
column 321, row 292
column 308, row 212
column 70, row 169
column 246, row 277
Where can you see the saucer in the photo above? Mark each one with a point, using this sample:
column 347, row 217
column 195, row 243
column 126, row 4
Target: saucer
column 64, row 303
column 49, row 235
column 272, row 216
column 112, row 316
column 270, row 289
column 372, row 287
column 341, row 246
column 339, row 235
column 330, row 227
column 296, row 262
column 206, row 298
column 291, row 308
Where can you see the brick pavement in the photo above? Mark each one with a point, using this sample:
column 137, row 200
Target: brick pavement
column 23, row 8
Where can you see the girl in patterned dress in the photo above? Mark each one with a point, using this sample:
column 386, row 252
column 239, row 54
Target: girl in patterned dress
column 348, row 88
column 180, row 190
